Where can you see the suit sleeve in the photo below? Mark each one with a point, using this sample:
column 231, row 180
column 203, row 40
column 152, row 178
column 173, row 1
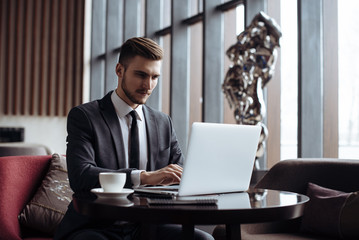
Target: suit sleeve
column 83, row 169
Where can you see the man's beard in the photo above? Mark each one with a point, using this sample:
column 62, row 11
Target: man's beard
column 129, row 95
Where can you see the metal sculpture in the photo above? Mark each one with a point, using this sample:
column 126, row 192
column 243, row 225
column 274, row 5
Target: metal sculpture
column 254, row 56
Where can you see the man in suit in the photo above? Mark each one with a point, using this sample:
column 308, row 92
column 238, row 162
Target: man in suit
column 99, row 141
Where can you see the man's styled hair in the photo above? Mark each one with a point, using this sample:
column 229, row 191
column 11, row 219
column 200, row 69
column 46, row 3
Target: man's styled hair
column 139, row 46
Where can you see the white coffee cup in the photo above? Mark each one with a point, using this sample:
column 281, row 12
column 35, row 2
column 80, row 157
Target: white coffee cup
column 112, row 182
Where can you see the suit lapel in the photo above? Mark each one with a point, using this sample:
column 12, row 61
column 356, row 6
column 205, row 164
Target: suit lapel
column 109, row 114
column 152, row 138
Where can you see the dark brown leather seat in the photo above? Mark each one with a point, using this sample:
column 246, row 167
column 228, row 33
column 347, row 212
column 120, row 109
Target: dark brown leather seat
column 294, row 175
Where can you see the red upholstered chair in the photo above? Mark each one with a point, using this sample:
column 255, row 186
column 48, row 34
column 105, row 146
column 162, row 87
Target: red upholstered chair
column 20, row 177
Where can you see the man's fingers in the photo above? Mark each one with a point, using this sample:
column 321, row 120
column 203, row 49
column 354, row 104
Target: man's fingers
column 171, row 177
column 170, row 180
column 173, row 174
column 170, row 174
column 175, row 166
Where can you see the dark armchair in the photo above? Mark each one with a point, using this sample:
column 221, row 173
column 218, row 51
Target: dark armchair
column 294, row 176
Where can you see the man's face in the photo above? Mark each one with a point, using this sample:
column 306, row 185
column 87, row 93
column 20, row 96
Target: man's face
column 137, row 80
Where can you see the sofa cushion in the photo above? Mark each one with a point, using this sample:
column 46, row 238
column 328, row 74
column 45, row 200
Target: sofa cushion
column 349, row 218
column 330, row 212
column 47, row 208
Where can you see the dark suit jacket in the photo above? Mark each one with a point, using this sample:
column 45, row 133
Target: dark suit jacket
column 94, row 145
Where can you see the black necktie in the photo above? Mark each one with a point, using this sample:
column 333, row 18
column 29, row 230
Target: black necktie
column 134, row 143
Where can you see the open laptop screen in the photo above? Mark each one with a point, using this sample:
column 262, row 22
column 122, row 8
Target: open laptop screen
column 220, row 158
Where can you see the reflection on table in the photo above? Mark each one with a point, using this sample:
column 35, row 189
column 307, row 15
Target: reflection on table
column 232, row 209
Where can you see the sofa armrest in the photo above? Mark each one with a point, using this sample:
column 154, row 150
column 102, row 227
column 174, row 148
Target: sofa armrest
column 20, row 177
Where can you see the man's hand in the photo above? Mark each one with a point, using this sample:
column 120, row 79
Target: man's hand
column 170, row 174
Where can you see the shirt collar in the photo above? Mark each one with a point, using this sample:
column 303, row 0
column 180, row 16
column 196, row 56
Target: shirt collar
column 122, row 108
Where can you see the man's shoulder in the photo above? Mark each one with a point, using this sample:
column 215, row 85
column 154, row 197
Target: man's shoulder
column 89, row 107
column 92, row 106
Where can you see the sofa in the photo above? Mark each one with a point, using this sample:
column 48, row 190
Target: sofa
column 27, row 197
column 21, row 149
column 296, row 175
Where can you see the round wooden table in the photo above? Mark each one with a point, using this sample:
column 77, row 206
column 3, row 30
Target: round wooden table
column 232, row 209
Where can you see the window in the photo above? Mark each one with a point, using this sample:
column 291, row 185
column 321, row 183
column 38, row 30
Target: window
column 348, row 79
column 196, row 97
column 289, row 79
column 233, row 26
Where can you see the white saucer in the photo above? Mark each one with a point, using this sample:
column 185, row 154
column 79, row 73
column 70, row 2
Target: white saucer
column 100, row 193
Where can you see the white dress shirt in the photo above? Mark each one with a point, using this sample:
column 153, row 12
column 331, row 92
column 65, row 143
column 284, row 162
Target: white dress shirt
column 125, row 119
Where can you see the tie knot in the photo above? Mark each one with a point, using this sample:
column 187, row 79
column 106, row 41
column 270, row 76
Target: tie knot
column 133, row 114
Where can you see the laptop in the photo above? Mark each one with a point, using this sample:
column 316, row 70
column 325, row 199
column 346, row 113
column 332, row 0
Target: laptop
column 220, row 159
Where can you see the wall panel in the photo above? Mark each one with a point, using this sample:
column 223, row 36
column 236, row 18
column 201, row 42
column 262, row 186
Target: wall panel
column 41, row 56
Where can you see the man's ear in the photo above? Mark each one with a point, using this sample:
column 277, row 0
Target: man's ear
column 119, row 69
